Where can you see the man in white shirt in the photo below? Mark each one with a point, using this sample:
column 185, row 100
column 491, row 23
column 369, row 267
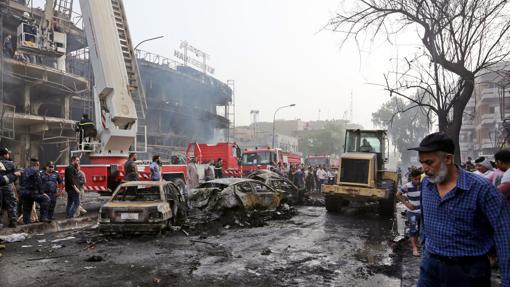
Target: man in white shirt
column 483, row 167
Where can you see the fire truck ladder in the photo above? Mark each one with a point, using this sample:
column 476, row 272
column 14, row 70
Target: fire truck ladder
column 130, row 61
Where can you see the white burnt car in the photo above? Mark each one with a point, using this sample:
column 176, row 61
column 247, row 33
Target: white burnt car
column 234, row 193
column 142, row 206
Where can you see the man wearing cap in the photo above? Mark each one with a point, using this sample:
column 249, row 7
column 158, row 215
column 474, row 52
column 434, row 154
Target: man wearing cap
column 31, row 192
column 463, row 217
column 7, row 195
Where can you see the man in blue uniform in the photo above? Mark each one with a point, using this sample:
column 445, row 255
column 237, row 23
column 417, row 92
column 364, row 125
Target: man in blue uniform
column 50, row 180
column 7, row 196
column 31, row 192
column 463, row 217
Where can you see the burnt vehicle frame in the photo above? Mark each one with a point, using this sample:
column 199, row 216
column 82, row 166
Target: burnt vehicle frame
column 142, row 207
column 234, row 194
column 291, row 193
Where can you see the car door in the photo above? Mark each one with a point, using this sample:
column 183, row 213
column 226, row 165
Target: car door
column 245, row 193
column 265, row 197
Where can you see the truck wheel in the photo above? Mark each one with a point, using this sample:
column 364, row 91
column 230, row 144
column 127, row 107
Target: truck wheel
column 387, row 206
column 334, row 204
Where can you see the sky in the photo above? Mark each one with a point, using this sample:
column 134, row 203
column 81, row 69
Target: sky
column 277, row 52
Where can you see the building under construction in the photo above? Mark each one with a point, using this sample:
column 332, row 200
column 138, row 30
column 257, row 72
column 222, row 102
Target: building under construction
column 46, row 85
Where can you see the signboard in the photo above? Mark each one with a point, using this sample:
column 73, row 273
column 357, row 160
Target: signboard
column 199, row 60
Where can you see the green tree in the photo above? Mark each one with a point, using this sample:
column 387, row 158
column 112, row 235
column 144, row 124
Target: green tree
column 406, row 125
column 328, row 140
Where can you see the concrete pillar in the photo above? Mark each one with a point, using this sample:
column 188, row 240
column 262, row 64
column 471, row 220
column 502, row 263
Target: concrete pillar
column 26, row 99
column 24, row 149
column 66, row 107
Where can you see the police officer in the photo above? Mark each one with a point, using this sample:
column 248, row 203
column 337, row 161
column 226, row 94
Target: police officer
column 7, row 195
column 31, row 191
column 50, row 180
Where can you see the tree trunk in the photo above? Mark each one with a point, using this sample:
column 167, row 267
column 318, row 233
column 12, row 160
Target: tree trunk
column 454, row 127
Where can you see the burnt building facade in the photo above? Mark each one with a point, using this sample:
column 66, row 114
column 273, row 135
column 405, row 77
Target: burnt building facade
column 45, row 89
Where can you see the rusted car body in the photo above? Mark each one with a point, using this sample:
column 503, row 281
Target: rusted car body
column 234, row 193
column 141, row 206
column 291, row 193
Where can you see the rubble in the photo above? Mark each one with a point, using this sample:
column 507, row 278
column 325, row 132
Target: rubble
column 14, row 237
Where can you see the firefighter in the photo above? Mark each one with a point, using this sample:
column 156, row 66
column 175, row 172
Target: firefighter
column 50, row 181
column 7, row 193
column 87, row 130
column 31, row 192
column 218, row 168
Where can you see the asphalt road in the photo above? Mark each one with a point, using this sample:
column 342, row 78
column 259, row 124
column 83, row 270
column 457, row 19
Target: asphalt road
column 313, row 248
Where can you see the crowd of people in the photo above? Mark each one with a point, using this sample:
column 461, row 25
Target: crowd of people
column 458, row 214
column 306, row 177
column 43, row 186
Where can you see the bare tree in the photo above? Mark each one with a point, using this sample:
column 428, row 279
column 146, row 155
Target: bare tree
column 461, row 39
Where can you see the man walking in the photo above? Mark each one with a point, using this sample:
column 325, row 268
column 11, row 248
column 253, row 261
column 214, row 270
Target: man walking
column 7, row 195
column 71, row 187
column 410, row 195
column 31, row 192
column 463, row 217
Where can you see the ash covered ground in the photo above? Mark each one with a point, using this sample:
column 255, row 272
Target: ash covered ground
column 305, row 246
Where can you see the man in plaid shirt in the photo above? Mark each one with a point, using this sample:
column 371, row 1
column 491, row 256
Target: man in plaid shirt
column 463, row 217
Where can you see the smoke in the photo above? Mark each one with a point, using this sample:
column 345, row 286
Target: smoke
column 182, row 105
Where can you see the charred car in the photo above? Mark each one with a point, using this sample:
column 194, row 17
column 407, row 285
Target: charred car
column 142, row 206
column 291, row 193
column 234, row 194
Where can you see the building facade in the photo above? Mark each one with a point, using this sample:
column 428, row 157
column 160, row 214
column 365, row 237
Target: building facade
column 483, row 125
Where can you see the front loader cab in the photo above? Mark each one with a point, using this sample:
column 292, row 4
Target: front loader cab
column 367, row 141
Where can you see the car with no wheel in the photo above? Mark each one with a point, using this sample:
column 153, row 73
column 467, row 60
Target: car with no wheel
column 142, row 207
column 235, row 193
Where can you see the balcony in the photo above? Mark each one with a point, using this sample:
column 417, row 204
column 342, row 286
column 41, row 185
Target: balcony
column 489, row 96
column 487, row 144
column 487, row 120
column 466, row 146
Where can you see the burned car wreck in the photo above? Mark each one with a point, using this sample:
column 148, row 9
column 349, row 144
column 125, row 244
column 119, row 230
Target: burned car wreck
column 142, row 206
column 234, row 194
column 291, row 194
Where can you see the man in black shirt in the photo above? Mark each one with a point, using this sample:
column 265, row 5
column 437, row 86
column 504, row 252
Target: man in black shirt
column 71, row 187
column 130, row 169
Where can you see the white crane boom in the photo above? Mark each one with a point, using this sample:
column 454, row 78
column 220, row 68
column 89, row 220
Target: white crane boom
column 115, row 76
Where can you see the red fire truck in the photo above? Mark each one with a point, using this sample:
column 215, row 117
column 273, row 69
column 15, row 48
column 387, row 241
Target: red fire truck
column 118, row 102
column 230, row 154
column 264, row 158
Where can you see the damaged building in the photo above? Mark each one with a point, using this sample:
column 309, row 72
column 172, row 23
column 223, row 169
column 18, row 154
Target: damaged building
column 46, row 85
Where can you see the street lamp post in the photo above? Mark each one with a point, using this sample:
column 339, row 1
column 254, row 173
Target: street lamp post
column 274, row 117
column 147, row 40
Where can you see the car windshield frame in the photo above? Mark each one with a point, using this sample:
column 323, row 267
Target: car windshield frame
column 209, row 184
column 138, row 193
